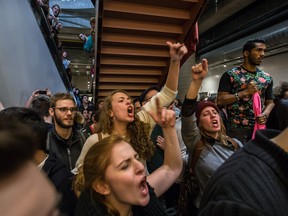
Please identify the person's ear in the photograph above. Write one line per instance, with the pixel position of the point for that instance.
(101, 188)
(51, 111)
(111, 114)
(246, 53)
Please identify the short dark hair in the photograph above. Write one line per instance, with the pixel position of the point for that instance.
(17, 147)
(30, 119)
(284, 88)
(57, 5)
(250, 44)
(136, 100)
(144, 93)
(41, 105)
(60, 96)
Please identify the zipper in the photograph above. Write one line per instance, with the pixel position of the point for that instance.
(69, 157)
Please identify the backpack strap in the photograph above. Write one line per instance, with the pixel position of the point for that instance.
(233, 142)
(82, 137)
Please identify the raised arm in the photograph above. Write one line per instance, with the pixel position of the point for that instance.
(162, 178)
(177, 51)
(199, 72)
(35, 94)
(169, 91)
(189, 129)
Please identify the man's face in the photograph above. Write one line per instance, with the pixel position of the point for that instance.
(85, 99)
(64, 113)
(256, 55)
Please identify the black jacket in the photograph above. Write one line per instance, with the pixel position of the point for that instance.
(253, 181)
(62, 179)
(87, 207)
(67, 151)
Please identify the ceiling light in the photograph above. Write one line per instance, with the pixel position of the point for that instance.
(77, 71)
(87, 66)
(75, 66)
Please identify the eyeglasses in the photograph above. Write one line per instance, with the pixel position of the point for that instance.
(64, 110)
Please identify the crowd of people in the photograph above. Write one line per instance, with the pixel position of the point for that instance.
(55, 26)
(126, 156)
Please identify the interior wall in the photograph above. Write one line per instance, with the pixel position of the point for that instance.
(25, 61)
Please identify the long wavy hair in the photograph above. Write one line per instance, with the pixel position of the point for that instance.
(137, 131)
(95, 165)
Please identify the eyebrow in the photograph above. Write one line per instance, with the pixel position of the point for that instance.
(122, 97)
(119, 165)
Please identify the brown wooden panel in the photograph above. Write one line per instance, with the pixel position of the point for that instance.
(130, 8)
(132, 49)
(135, 51)
(124, 86)
(133, 62)
(142, 26)
(127, 79)
(131, 71)
(136, 39)
(132, 94)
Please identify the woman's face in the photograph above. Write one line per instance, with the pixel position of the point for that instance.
(122, 108)
(56, 11)
(126, 177)
(100, 105)
(210, 121)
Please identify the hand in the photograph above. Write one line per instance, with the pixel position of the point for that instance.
(177, 50)
(261, 119)
(48, 92)
(35, 93)
(164, 117)
(160, 141)
(200, 71)
(252, 88)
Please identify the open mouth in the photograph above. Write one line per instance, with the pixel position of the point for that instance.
(143, 186)
(215, 123)
(130, 110)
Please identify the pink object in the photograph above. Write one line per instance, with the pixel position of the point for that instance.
(257, 111)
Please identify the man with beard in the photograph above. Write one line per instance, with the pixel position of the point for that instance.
(64, 140)
(237, 87)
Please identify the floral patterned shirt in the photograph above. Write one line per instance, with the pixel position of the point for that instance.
(240, 113)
